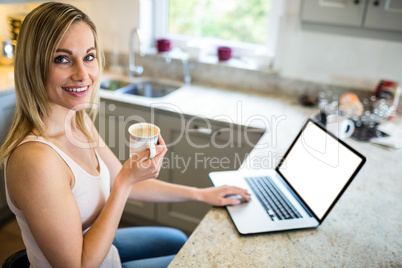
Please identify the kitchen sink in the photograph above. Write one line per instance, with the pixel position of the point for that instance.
(145, 88)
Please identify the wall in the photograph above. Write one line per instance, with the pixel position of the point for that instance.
(302, 55)
(11, 9)
(114, 19)
(334, 59)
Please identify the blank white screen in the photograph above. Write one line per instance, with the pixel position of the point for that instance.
(318, 167)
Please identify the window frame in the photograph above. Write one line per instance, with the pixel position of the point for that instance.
(240, 49)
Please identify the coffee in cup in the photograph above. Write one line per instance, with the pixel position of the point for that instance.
(143, 136)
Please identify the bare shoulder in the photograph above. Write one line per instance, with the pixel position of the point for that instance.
(34, 157)
(35, 166)
(38, 182)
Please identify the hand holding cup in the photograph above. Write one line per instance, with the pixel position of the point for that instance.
(146, 157)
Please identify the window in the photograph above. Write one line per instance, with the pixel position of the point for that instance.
(234, 20)
(249, 27)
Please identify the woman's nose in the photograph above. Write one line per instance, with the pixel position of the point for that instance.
(79, 71)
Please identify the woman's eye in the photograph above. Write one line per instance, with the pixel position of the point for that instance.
(61, 59)
(89, 57)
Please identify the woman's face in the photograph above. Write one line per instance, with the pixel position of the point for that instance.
(74, 68)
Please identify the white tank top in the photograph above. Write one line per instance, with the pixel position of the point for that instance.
(90, 192)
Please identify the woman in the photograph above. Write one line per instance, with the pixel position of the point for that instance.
(68, 200)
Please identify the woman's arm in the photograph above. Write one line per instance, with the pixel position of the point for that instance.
(159, 191)
(42, 190)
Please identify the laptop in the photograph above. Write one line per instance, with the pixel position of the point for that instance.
(301, 191)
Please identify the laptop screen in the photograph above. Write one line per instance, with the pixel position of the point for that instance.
(319, 167)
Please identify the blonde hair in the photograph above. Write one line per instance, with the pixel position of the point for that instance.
(40, 34)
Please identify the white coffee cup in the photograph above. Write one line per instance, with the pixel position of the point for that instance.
(341, 127)
(143, 136)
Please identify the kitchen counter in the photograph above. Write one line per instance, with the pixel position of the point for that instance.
(363, 229)
(254, 109)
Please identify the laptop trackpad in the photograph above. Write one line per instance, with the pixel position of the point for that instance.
(250, 217)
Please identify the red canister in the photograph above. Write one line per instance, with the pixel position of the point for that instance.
(224, 53)
(163, 45)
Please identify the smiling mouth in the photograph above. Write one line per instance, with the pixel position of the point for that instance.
(75, 89)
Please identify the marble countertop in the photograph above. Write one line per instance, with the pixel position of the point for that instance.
(363, 229)
(247, 108)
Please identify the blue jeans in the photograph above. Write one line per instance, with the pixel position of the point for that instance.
(148, 246)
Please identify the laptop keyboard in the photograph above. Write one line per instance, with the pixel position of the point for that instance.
(272, 199)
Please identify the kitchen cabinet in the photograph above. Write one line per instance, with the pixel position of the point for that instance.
(7, 108)
(197, 146)
(366, 14)
(113, 122)
(384, 15)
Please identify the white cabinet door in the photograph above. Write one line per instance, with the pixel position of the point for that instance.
(384, 15)
(337, 12)
(363, 14)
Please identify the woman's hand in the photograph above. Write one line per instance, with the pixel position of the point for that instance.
(218, 196)
(140, 167)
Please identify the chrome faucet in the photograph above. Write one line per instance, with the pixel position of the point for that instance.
(134, 70)
(186, 65)
(186, 70)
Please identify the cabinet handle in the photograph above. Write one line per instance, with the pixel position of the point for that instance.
(202, 130)
(206, 131)
(376, 3)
